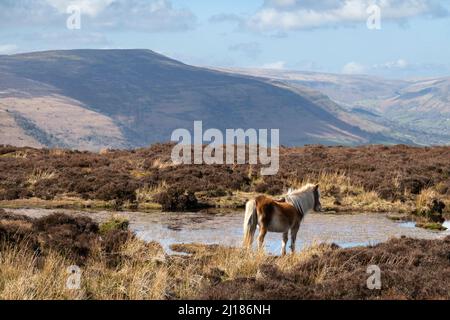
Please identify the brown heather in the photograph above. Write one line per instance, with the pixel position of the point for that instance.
(369, 178)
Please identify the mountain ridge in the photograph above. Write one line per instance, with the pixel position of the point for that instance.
(91, 99)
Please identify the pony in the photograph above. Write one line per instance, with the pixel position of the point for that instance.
(280, 215)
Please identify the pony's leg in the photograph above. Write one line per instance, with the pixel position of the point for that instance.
(294, 231)
(283, 246)
(262, 234)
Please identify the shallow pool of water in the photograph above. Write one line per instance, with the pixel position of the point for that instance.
(226, 228)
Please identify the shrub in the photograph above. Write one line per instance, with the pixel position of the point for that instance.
(17, 230)
(442, 188)
(272, 185)
(429, 206)
(112, 243)
(177, 200)
(115, 223)
(122, 191)
(10, 194)
(415, 184)
(215, 193)
(431, 226)
(74, 237)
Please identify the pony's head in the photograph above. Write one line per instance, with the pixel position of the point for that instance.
(306, 198)
(317, 204)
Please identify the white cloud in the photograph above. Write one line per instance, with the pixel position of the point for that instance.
(388, 66)
(354, 68)
(278, 65)
(397, 64)
(8, 48)
(306, 4)
(147, 15)
(288, 15)
(89, 7)
(144, 15)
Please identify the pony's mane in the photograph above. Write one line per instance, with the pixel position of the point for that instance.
(305, 188)
(298, 198)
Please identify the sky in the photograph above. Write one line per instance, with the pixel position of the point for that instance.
(389, 38)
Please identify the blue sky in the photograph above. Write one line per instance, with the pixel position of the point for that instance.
(312, 35)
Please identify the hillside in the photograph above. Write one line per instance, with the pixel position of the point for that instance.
(424, 104)
(416, 110)
(90, 99)
(343, 88)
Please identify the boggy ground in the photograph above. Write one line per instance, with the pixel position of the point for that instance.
(371, 178)
(35, 255)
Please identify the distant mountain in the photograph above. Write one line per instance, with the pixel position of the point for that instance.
(89, 99)
(424, 104)
(418, 110)
(342, 88)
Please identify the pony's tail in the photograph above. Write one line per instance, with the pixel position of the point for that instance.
(250, 222)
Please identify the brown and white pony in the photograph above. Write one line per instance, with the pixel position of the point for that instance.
(279, 215)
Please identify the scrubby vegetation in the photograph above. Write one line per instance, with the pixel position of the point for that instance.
(35, 255)
(176, 200)
(429, 209)
(369, 178)
(410, 269)
(114, 224)
(76, 238)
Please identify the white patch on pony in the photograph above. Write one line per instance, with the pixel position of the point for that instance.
(302, 199)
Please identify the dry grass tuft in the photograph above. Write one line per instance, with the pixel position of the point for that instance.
(424, 197)
(40, 175)
(147, 193)
(160, 164)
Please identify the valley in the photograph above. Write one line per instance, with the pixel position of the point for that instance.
(133, 98)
